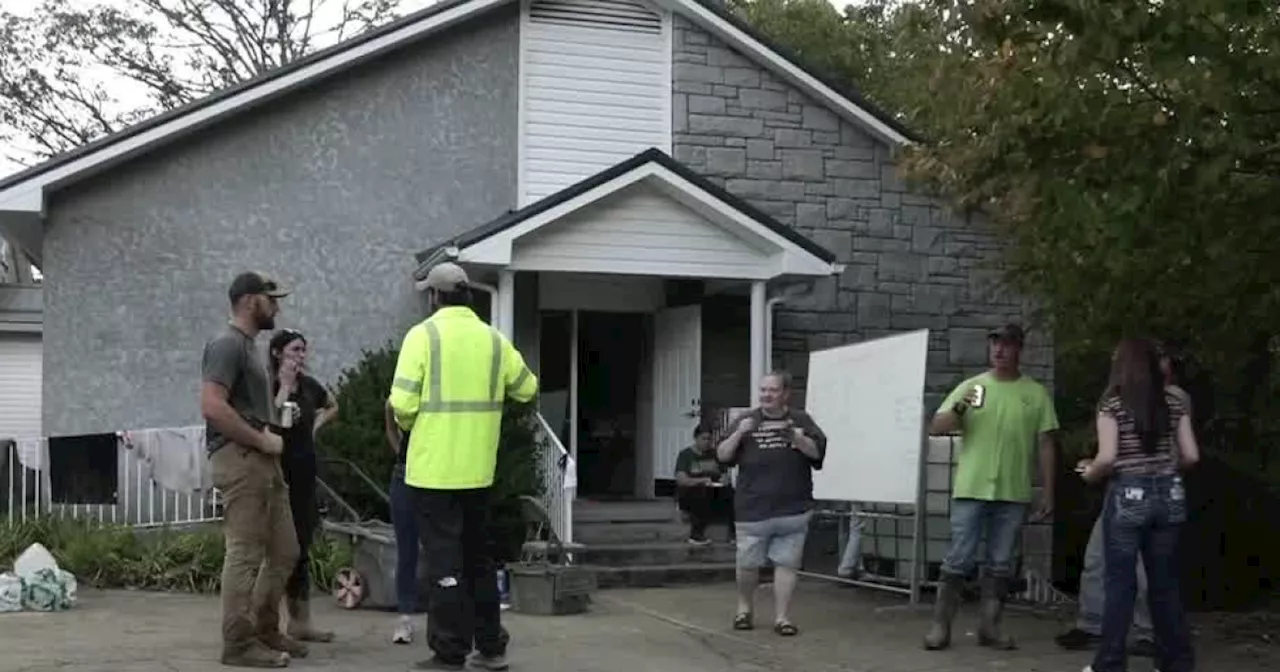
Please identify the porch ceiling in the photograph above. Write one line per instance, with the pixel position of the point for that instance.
(649, 215)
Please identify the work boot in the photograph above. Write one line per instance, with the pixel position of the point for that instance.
(994, 590)
(300, 623)
(254, 655)
(277, 641)
(944, 612)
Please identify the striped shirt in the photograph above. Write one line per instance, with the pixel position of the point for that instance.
(1130, 457)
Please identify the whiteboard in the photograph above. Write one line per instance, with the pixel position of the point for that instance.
(868, 398)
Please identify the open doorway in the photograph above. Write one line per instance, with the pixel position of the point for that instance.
(610, 354)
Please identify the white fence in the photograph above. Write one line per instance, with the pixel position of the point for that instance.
(556, 466)
(139, 500)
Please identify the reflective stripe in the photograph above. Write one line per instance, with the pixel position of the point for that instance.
(459, 406)
(410, 386)
(434, 403)
(495, 365)
(433, 352)
(519, 381)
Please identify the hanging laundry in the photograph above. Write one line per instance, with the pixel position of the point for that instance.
(175, 458)
(84, 469)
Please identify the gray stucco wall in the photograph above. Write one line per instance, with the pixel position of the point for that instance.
(910, 263)
(331, 189)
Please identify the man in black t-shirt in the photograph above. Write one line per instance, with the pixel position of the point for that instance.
(776, 449)
(702, 487)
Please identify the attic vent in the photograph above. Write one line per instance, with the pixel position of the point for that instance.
(628, 15)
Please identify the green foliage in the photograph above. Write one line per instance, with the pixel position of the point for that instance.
(358, 436)
(188, 560)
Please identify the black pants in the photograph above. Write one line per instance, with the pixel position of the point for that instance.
(300, 474)
(464, 609)
(706, 505)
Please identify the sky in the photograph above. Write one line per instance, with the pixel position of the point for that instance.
(8, 166)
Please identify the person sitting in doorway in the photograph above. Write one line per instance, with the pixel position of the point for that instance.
(702, 487)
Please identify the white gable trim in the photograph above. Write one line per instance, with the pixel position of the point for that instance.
(790, 258)
(28, 194)
(811, 85)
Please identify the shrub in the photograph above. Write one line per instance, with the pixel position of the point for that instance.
(171, 559)
(358, 436)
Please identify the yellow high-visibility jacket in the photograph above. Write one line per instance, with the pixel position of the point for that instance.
(452, 377)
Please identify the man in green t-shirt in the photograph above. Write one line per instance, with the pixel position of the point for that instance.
(702, 487)
(1004, 418)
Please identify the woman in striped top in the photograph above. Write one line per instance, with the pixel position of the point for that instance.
(1144, 440)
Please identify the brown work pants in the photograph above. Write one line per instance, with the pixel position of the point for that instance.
(261, 543)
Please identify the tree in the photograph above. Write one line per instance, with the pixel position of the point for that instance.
(70, 74)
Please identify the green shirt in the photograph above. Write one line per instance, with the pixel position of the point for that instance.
(1000, 439)
(699, 465)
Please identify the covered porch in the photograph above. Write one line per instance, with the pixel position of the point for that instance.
(640, 297)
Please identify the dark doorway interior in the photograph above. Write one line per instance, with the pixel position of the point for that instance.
(609, 359)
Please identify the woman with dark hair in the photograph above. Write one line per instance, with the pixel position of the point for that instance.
(315, 407)
(1144, 439)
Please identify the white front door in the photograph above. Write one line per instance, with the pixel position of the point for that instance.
(677, 384)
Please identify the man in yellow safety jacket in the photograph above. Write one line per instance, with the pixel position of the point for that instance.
(452, 377)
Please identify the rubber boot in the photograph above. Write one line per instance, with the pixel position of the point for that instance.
(994, 590)
(300, 623)
(944, 612)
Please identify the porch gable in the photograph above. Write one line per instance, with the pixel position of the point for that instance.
(649, 215)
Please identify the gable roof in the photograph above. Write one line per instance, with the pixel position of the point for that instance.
(25, 190)
(652, 162)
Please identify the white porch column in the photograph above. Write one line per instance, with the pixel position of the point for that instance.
(506, 308)
(758, 334)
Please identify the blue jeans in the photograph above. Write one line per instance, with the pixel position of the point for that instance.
(971, 520)
(1093, 590)
(1144, 515)
(404, 519)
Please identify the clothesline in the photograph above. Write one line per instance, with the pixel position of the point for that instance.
(172, 457)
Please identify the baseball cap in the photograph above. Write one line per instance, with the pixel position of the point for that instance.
(1008, 332)
(446, 277)
(249, 283)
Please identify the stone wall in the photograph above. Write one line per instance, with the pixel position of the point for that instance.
(910, 263)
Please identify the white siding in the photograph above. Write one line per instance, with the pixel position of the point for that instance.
(595, 89)
(638, 230)
(20, 387)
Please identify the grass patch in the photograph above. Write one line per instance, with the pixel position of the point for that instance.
(165, 559)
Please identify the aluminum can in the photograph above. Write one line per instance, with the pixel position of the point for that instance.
(289, 413)
(979, 395)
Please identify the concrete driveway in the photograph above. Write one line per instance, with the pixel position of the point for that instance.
(656, 630)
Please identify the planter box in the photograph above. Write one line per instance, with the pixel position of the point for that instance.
(550, 590)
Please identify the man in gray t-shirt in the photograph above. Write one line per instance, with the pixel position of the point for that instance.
(232, 361)
(244, 454)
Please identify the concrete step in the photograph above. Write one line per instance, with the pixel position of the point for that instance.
(628, 511)
(655, 554)
(653, 576)
(629, 533)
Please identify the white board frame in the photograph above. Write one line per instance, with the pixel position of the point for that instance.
(868, 398)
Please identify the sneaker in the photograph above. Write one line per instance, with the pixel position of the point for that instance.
(1076, 639)
(483, 662)
(255, 655)
(434, 663)
(699, 541)
(403, 633)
